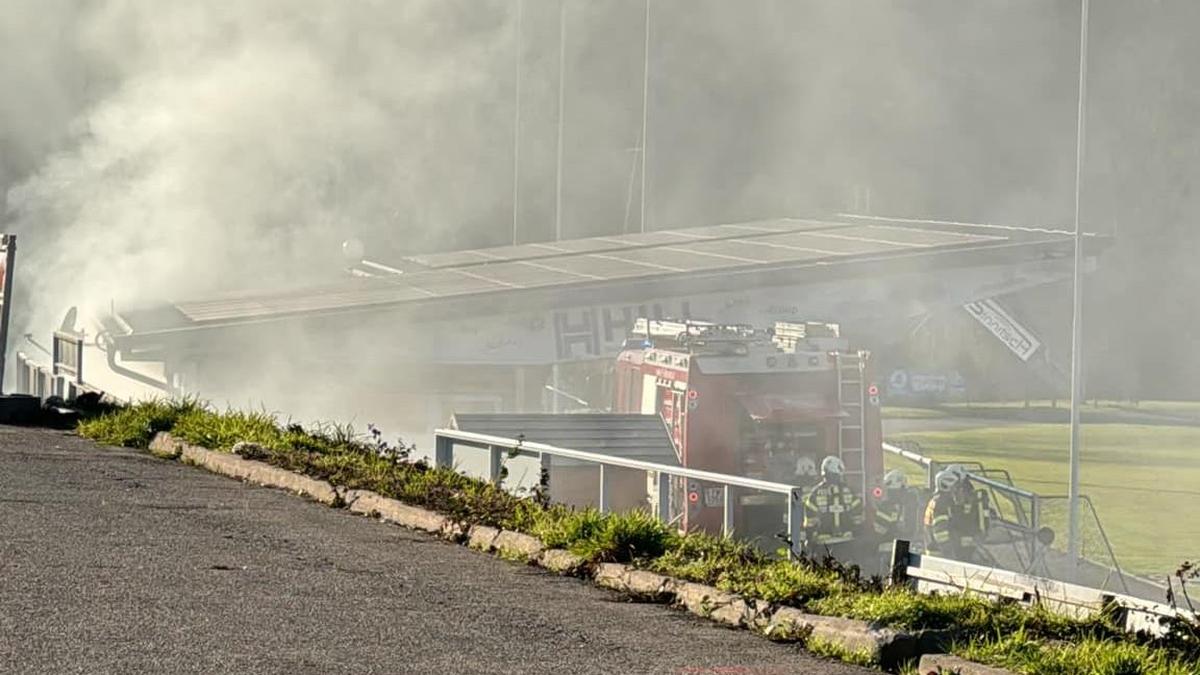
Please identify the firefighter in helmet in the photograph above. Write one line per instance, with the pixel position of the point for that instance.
(956, 516)
(940, 522)
(974, 512)
(833, 513)
(896, 511)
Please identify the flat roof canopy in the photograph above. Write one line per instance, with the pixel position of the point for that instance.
(536, 275)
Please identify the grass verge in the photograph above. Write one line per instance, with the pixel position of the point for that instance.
(352, 461)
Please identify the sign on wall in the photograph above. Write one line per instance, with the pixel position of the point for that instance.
(1019, 339)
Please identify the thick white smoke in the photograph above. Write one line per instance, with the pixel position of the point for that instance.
(237, 143)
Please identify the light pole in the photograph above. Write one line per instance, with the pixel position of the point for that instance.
(645, 111)
(558, 165)
(516, 191)
(1073, 544)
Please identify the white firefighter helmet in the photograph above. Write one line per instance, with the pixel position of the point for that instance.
(832, 466)
(960, 473)
(806, 466)
(895, 480)
(945, 480)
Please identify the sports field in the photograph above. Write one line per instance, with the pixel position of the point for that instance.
(1143, 479)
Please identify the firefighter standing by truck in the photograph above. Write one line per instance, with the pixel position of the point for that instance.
(896, 512)
(956, 517)
(833, 514)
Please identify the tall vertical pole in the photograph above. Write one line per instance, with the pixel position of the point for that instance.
(1073, 544)
(558, 167)
(9, 254)
(516, 191)
(645, 110)
(558, 171)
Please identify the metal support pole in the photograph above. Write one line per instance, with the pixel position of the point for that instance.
(795, 521)
(558, 171)
(516, 191)
(663, 506)
(899, 571)
(645, 114)
(495, 463)
(1073, 538)
(544, 471)
(554, 375)
(727, 515)
(6, 299)
(603, 490)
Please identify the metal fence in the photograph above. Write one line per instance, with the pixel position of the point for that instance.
(1019, 531)
(930, 574)
(498, 448)
(44, 382)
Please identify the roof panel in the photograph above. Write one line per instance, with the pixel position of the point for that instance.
(832, 244)
(631, 436)
(679, 258)
(609, 267)
(525, 274)
(756, 250)
(618, 242)
(597, 261)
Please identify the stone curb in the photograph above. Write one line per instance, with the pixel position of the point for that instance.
(640, 584)
(517, 545)
(933, 664)
(712, 603)
(251, 471)
(886, 646)
(561, 561)
(482, 538)
(391, 510)
(165, 446)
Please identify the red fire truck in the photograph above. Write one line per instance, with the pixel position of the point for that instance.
(763, 404)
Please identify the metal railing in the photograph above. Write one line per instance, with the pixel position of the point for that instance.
(499, 447)
(930, 574)
(44, 382)
(1018, 512)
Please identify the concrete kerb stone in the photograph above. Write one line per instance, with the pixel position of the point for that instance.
(517, 545)
(391, 510)
(561, 561)
(886, 646)
(231, 465)
(165, 446)
(482, 537)
(727, 608)
(933, 664)
(612, 576)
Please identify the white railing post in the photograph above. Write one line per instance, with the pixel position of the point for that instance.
(603, 490)
(663, 507)
(727, 516)
(443, 452)
(544, 471)
(495, 463)
(795, 520)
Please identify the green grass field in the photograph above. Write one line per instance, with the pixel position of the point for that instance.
(1143, 480)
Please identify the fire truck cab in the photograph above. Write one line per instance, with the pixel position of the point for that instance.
(763, 404)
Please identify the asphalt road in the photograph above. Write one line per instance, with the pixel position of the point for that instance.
(113, 561)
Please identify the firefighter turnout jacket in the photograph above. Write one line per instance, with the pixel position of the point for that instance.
(955, 522)
(896, 514)
(833, 513)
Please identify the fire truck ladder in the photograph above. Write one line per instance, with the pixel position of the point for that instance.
(851, 440)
